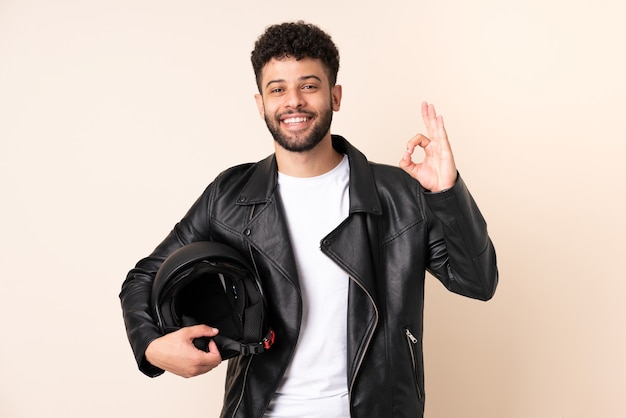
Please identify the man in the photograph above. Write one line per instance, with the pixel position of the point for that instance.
(341, 245)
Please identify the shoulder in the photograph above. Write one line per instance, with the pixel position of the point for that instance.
(362, 168)
(252, 182)
(234, 173)
(386, 175)
(239, 175)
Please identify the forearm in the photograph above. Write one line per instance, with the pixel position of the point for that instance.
(141, 328)
(135, 295)
(462, 254)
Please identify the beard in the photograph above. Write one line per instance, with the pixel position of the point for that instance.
(300, 141)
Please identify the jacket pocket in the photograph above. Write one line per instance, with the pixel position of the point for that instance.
(412, 342)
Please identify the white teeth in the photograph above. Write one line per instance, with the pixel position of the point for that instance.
(295, 120)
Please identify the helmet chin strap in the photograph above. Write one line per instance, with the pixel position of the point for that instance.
(231, 348)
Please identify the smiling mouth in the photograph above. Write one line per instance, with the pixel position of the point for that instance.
(295, 120)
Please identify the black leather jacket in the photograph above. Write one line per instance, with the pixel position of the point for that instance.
(394, 233)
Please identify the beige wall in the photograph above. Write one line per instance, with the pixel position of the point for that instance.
(115, 114)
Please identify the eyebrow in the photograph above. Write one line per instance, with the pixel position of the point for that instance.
(303, 78)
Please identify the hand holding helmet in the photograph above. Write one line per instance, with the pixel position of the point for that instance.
(201, 286)
(176, 353)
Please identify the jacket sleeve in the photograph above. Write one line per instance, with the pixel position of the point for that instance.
(462, 255)
(135, 295)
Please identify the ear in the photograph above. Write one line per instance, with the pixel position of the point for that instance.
(335, 93)
(260, 105)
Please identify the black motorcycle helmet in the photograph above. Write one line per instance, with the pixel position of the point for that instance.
(211, 283)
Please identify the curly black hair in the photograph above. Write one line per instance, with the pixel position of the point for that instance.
(298, 40)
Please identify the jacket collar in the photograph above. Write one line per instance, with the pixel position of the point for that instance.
(363, 194)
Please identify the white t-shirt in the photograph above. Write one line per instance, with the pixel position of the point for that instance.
(315, 383)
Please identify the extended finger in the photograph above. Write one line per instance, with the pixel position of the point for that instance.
(433, 121)
(441, 134)
(425, 113)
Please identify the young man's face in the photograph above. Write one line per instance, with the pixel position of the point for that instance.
(297, 102)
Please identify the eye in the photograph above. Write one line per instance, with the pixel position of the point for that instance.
(309, 87)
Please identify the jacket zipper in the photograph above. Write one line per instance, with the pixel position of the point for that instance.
(369, 337)
(243, 388)
(411, 341)
(371, 333)
(245, 376)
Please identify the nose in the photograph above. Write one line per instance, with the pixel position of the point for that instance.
(294, 99)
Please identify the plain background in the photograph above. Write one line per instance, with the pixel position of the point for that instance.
(114, 116)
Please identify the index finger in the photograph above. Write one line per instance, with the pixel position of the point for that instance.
(201, 330)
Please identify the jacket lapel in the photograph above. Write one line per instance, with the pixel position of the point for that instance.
(355, 246)
(266, 228)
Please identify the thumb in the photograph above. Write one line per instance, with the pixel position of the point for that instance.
(213, 348)
(406, 162)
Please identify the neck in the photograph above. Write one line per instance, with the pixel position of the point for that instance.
(315, 162)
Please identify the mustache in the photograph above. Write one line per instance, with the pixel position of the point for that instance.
(279, 116)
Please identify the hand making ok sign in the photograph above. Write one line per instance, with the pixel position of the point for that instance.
(437, 171)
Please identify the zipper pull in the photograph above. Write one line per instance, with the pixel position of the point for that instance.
(410, 336)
